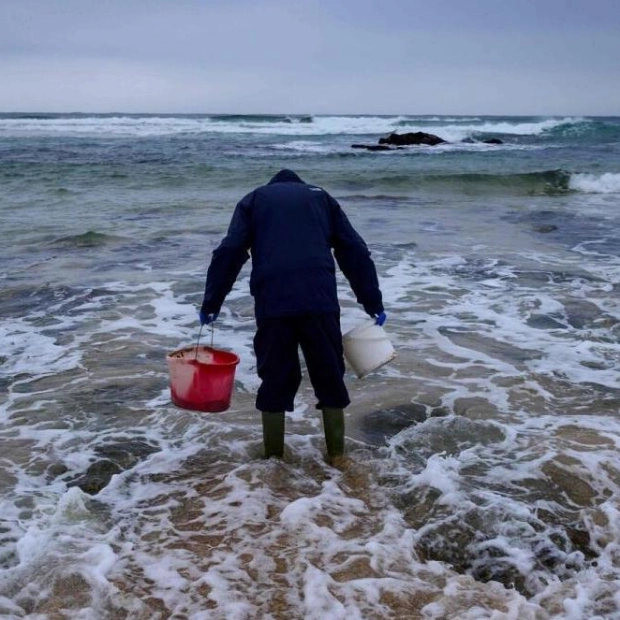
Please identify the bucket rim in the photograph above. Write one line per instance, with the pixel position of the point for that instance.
(192, 349)
(362, 327)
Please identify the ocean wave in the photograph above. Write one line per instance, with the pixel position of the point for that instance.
(439, 119)
(310, 146)
(306, 125)
(145, 125)
(99, 125)
(453, 129)
(505, 128)
(261, 118)
(607, 183)
(591, 129)
(544, 182)
(90, 239)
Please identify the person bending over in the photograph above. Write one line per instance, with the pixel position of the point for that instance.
(293, 231)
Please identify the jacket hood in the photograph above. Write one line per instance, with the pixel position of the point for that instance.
(286, 176)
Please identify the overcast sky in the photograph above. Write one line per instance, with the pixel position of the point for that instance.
(538, 57)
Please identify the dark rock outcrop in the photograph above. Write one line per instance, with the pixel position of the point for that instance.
(97, 476)
(411, 138)
(414, 138)
(400, 140)
(114, 458)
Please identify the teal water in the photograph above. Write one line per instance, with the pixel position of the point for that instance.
(484, 477)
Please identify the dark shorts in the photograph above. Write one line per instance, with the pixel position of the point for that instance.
(276, 345)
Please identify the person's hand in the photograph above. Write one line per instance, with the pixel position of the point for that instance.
(205, 319)
(380, 318)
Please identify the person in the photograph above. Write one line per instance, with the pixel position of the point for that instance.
(290, 229)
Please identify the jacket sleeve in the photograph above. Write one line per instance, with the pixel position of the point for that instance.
(353, 258)
(228, 258)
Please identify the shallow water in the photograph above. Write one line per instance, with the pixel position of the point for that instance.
(482, 478)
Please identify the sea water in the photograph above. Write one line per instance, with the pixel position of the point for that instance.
(483, 478)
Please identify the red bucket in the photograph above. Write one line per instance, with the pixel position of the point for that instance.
(202, 378)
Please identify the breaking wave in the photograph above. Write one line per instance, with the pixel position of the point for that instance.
(451, 128)
(607, 183)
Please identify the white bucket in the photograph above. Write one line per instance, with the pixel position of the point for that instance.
(367, 347)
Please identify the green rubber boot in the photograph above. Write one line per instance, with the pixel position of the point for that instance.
(273, 433)
(333, 424)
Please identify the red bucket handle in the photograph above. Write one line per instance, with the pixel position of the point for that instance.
(198, 341)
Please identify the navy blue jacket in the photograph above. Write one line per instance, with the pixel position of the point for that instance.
(290, 229)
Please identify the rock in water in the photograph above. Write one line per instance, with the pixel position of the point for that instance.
(417, 137)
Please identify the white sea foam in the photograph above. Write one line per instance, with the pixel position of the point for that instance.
(28, 351)
(309, 146)
(154, 126)
(231, 533)
(449, 128)
(98, 125)
(606, 183)
(457, 132)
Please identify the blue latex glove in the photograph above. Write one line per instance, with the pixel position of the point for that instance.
(205, 319)
(380, 318)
